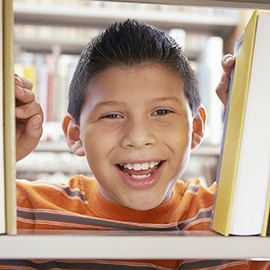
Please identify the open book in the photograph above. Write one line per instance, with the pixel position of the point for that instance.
(7, 121)
(242, 200)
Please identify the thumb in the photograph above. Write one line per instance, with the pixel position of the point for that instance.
(30, 139)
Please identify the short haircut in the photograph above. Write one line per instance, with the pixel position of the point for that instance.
(130, 43)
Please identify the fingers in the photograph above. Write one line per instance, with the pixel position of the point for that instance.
(27, 110)
(31, 132)
(227, 63)
(23, 82)
(30, 129)
(29, 118)
(26, 105)
(23, 91)
(222, 89)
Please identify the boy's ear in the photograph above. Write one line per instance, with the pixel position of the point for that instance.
(199, 122)
(72, 134)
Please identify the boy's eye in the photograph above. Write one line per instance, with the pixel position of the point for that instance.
(162, 112)
(111, 116)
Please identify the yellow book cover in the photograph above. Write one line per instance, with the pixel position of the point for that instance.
(29, 72)
(266, 223)
(243, 171)
(9, 119)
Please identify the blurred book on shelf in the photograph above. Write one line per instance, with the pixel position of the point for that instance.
(209, 72)
(50, 78)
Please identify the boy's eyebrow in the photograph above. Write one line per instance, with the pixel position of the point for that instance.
(107, 103)
(164, 99)
(119, 103)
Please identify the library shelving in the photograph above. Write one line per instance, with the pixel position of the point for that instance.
(101, 16)
(114, 245)
(141, 245)
(57, 30)
(220, 23)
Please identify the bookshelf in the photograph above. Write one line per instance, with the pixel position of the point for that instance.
(114, 245)
(85, 16)
(98, 17)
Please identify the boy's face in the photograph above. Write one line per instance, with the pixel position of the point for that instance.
(137, 131)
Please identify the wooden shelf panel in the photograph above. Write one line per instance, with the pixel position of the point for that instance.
(141, 245)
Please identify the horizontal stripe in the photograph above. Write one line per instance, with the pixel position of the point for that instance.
(204, 215)
(104, 265)
(118, 265)
(36, 217)
(58, 218)
(64, 189)
(211, 264)
(69, 220)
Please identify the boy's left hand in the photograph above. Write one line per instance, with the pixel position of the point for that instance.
(222, 88)
(29, 118)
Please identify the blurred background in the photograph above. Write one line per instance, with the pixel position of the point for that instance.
(50, 35)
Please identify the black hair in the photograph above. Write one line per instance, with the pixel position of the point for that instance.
(130, 43)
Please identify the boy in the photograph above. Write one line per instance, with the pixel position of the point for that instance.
(135, 113)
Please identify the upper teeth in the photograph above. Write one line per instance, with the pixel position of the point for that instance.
(140, 166)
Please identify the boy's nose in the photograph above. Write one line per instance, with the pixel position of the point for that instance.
(138, 134)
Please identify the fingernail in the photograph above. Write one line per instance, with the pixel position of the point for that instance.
(37, 121)
(18, 81)
(228, 59)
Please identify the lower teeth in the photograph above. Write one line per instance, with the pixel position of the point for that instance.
(140, 176)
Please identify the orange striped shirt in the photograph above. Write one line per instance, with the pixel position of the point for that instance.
(79, 205)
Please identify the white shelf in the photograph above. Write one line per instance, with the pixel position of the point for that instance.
(253, 4)
(53, 147)
(217, 24)
(74, 46)
(141, 245)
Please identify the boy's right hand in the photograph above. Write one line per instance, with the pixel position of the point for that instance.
(29, 118)
(222, 89)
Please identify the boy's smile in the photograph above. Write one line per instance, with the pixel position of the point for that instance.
(137, 131)
(140, 175)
